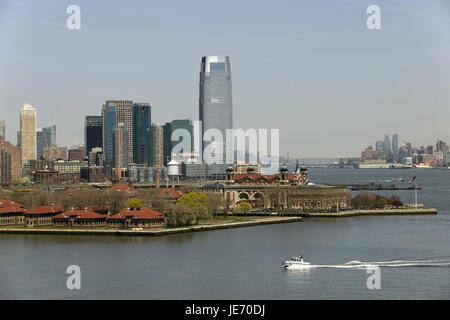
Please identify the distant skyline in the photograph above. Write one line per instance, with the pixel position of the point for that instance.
(311, 69)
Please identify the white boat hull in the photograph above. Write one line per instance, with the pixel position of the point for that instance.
(296, 265)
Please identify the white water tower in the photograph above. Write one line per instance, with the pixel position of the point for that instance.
(172, 171)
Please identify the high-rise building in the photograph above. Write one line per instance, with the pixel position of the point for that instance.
(10, 162)
(169, 129)
(141, 132)
(379, 146)
(3, 129)
(28, 133)
(109, 122)
(156, 146)
(124, 114)
(395, 146)
(387, 147)
(441, 146)
(215, 103)
(45, 137)
(120, 147)
(93, 133)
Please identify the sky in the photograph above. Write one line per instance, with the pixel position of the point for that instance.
(309, 68)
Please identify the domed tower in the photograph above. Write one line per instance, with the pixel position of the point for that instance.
(284, 172)
(230, 173)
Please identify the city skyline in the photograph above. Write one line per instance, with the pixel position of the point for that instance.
(291, 62)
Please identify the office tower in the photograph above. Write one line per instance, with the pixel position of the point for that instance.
(169, 129)
(124, 114)
(93, 133)
(215, 103)
(395, 146)
(109, 121)
(441, 146)
(387, 147)
(379, 146)
(45, 137)
(10, 162)
(120, 146)
(429, 149)
(28, 133)
(40, 143)
(3, 129)
(141, 132)
(156, 146)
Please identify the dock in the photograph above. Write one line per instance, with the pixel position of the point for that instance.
(372, 186)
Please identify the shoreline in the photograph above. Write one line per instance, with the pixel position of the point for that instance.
(373, 212)
(160, 232)
(229, 225)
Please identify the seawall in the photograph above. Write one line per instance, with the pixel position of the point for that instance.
(166, 231)
(381, 212)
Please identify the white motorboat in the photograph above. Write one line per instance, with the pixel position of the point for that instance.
(296, 263)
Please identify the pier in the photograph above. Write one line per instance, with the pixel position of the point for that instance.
(372, 186)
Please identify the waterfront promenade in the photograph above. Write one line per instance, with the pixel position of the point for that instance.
(159, 232)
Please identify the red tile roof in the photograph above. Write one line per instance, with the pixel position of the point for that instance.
(8, 206)
(79, 214)
(142, 213)
(169, 192)
(8, 203)
(123, 187)
(45, 209)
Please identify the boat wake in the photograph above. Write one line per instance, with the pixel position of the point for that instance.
(393, 264)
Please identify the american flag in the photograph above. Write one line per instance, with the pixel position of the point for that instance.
(412, 180)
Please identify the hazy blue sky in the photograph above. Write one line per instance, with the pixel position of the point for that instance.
(310, 68)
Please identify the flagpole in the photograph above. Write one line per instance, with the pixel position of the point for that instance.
(415, 189)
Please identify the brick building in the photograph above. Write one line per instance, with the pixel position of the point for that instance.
(11, 213)
(76, 218)
(136, 218)
(10, 162)
(41, 216)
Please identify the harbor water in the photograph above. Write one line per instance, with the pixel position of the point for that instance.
(412, 252)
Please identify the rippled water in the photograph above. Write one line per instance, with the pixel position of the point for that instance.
(413, 253)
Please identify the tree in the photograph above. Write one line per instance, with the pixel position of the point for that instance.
(134, 203)
(195, 203)
(216, 202)
(395, 201)
(244, 207)
(194, 198)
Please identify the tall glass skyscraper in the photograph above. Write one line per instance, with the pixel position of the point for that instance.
(216, 107)
(124, 114)
(141, 132)
(92, 132)
(395, 146)
(109, 124)
(45, 137)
